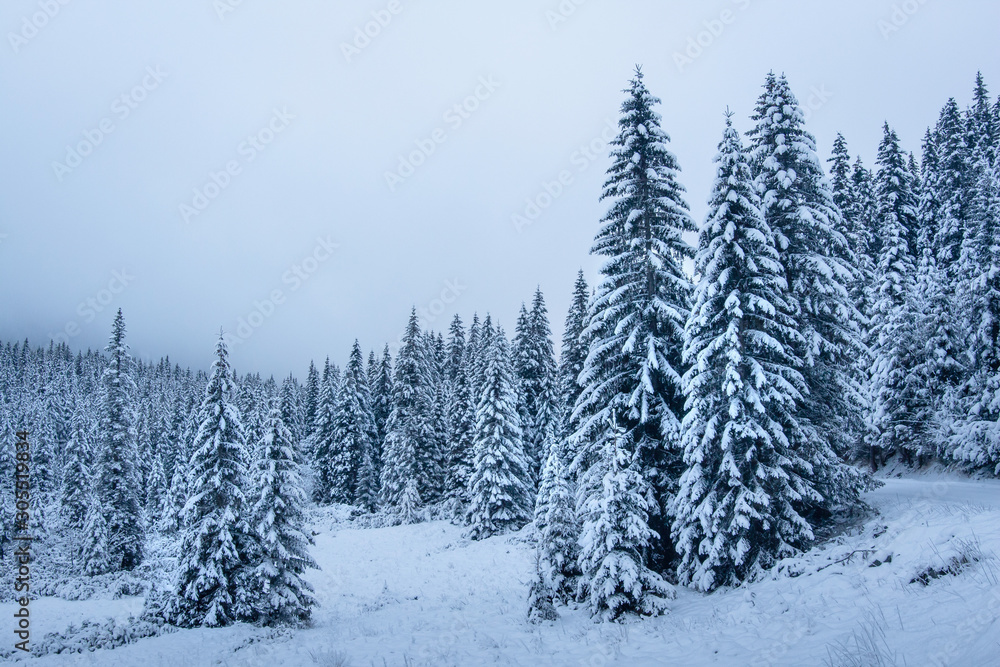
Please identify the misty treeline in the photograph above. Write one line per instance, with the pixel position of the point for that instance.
(694, 430)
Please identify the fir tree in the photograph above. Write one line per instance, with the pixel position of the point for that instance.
(735, 511)
(632, 374)
(325, 445)
(797, 205)
(352, 473)
(404, 428)
(557, 528)
(218, 548)
(614, 506)
(892, 338)
(500, 499)
(118, 484)
(279, 520)
(75, 495)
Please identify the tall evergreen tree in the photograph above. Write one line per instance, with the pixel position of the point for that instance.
(219, 547)
(632, 374)
(279, 520)
(499, 487)
(735, 511)
(353, 475)
(798, 207)
(118, 484)
(892, 334)
(400, 481)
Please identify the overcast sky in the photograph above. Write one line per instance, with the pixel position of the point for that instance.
(197, 162)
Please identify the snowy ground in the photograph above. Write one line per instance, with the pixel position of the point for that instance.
(423, 595)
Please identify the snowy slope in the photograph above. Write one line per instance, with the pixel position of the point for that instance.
(423, 595)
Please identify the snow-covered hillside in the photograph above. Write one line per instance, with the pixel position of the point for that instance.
(918, 584)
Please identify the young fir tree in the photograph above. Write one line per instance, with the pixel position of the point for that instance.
(352, 473)
(892, 333)
(632, 374)
(573, 353)
(117, 483)
(432, 455)
(218, 548)
(557, 528)
(74, 499)
(540, 596)
(735, 512)
(462, 421)
(93, 554)
(382, 404)
(614, 505)
(539, 384)
(278, 517)
(324, 443)
(400, 490)
(499, 487)
(798, 207)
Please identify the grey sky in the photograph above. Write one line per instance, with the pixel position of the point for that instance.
(300, 133)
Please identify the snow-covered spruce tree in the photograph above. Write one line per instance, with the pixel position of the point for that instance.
(93, 556)
(540, 596)
(76, 483)
(462, 420)
(117, 483)
(614, 505)
(219, 548)
(404, 429)
(975, 440)
(890, 416)
(632, 373)
(353, 436)
(557, 528)
(283, 596)
(735, 511)
(432, 454)
(499, 487)
(798, 207)
(573, 354)
(382, 402)
(324, 444)
(538, 385)
(156, 489)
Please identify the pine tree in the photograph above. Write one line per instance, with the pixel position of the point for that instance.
(462, 421)
(632, 374)
(352, 471)
(573, 353)
(798, 207)
(499, 487)
(557, 528)
(537, 378)
(218, 548)
(325, 445)
(117, 483)
(735, 511)
(404, 428)
(381, 390)
(75, 495)
(279, 520)
(94, 556)
(892, 335)
(614, 506)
